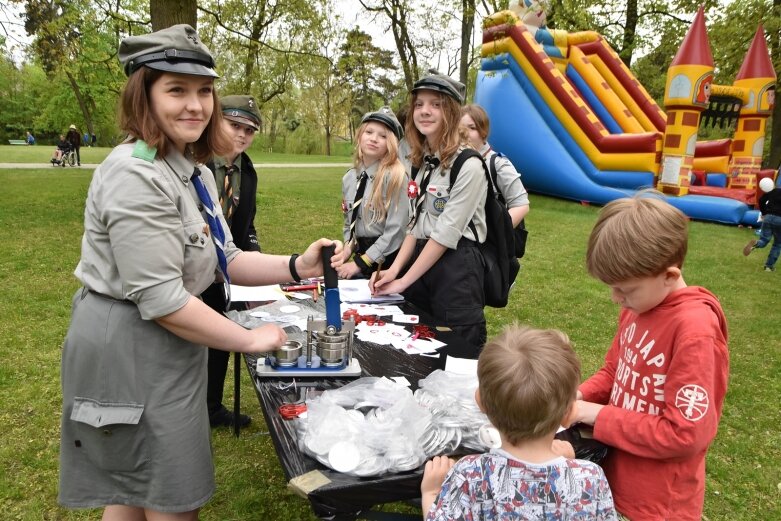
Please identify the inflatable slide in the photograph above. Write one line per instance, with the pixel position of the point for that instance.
(578, 125)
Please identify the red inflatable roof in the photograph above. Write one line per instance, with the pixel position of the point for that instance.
(757, 63)
(695, 49)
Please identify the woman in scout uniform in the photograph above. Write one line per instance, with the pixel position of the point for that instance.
(135, 431)
(475, 120)
(444, 267)
(237, 185)
(375, 211)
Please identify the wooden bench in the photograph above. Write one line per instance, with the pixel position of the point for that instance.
(17, 142)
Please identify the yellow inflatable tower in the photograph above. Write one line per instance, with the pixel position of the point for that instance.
(686, 95)
(758, 78)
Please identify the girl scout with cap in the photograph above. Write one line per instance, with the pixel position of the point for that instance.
(375, 212)
(444, 267)
(135, 431)
(237, 184)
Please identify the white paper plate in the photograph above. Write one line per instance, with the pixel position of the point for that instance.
(343, 457)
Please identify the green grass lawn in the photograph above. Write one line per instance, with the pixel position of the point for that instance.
(40, 229)
(90, 155)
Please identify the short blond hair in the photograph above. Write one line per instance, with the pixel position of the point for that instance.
(636, 237)
(528, 380)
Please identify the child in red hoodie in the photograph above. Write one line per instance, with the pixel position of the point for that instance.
(658, 398)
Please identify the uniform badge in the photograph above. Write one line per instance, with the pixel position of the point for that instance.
(439, 204)
(412, 190)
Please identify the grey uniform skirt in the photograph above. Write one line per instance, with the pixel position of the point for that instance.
(135, 430)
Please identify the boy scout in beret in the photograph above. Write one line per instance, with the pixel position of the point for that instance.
(237, 184)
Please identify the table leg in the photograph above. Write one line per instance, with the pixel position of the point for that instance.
(236, 393)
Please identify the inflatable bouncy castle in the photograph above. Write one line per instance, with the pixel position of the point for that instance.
(577, 124)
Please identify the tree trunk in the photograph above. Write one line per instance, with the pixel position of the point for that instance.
(82, 103)
(327, 126)
(165, 13)
(467, 23)
(628, 43)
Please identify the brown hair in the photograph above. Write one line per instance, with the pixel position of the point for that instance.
(528, 380)
(479, 117)
(135, 118)
(389, 166)
(636, 237)
(450, 138)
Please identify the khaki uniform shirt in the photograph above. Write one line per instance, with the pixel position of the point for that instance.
(145, 238)
(390, 232)
(447, 211)
(508, 179)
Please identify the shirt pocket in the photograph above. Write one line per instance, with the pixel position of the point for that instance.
(111, 434)
(437, 196)
(200, 257)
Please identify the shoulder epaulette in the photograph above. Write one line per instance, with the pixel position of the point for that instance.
(143, 151)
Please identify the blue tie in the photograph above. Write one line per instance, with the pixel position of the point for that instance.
(217, 233)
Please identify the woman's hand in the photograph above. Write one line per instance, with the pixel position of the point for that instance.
(310, 263)
(267, 338)
(348, 270)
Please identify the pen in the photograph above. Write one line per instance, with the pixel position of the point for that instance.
(314, 294)
(300, 288)
(379, 269)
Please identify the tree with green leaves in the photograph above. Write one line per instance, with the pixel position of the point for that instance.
(360, 67)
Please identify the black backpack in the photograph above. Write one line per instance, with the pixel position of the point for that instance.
(501, 263)
(520, 232)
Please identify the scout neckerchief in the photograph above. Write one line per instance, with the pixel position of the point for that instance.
(357, 204)
(218, 235)
(419, 192)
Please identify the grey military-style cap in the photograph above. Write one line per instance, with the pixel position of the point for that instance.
(241, 109)
(175, 49)
(385, 116)
(439, 82)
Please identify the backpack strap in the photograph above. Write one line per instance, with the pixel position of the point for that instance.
(456, 168)
(492, 170)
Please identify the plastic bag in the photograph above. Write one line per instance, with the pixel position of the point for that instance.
(456, 419)
(582, 440)
(369, 427)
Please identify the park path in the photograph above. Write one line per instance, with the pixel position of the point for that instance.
(92, 166)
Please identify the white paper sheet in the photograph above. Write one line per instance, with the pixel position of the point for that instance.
(255, 293)
(461, 365)
(357, 290)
